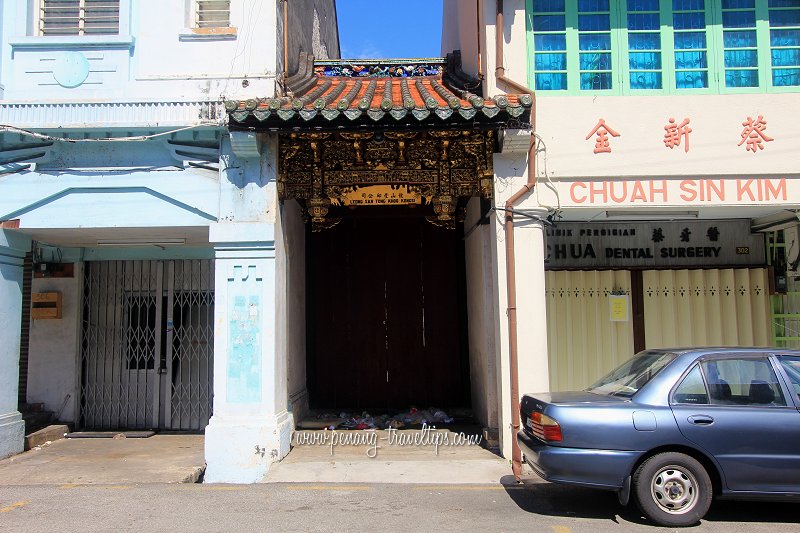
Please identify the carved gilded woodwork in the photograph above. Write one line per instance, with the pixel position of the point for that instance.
(439, 167)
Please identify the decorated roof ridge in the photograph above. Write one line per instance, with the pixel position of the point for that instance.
(449, 67)
(384, 61)
(437, 93)
(380, 69)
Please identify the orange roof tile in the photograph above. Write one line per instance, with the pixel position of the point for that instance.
(340, 94)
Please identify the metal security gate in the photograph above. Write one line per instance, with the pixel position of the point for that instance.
(583, 343)
(147, 345)
(699, 307)
(711, 307)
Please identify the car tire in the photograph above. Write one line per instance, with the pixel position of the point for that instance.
(672, 489)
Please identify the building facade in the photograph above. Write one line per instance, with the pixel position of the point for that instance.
(142, 222)
(227, 230)
(664, 157)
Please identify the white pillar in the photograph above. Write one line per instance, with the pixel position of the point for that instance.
(532, 355)
(530, 254)
(250, 427)
(13, 247)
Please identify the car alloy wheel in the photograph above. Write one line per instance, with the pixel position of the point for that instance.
(672, 489)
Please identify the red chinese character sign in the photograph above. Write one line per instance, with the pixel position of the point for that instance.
(753, 134)
(677, 132)
(602, 131)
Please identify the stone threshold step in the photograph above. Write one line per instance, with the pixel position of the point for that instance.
(110, 434)
(48, 434)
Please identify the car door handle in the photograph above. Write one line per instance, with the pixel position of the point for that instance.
(700, 420)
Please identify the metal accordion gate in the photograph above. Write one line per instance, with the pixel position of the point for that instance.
(147, 344)
(685, 307)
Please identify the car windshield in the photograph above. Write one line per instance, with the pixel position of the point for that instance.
(628, 378)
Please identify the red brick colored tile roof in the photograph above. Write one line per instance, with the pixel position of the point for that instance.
(341, 95)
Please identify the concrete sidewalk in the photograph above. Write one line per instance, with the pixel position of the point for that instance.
(322, 458)
(157, 459)
(180, 459)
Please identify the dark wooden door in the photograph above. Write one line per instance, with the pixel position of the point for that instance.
(386, 316)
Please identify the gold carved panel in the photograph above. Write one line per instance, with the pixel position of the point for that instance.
(355, 169)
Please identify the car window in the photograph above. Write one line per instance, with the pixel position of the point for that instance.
(791, 364)
(628, 378)
(745, 381)
(692, 389)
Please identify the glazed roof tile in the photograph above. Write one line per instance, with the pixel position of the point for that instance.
(340, 94)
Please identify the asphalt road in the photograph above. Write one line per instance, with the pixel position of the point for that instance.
(351, 507)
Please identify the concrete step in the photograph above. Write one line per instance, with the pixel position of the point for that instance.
(36, 420)
(111, 434)
(50, 433)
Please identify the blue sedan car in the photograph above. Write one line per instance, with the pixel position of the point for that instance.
(672, 429)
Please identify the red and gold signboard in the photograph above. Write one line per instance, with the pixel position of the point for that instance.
(380, 195)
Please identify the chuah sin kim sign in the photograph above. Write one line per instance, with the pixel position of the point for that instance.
(655, 244)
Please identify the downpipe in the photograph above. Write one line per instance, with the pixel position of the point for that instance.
(511, 283)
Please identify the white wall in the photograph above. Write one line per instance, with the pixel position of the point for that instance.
(482, 316)
(510, 174)
(715, 120)
(13, 246)
(460, 32)
(514, 44)
(156, 55)
(292, 287)
(53, 349)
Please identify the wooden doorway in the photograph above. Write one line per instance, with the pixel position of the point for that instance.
(387, 316)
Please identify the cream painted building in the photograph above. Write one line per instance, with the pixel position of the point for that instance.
(665, 155)
(342, 235)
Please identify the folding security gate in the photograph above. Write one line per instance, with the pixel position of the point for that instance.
(711, 307)
(147, 344)
(583, 342)
(699, 307)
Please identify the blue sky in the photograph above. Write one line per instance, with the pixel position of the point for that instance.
(389, 28)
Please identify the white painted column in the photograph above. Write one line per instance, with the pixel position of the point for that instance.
(251, 426)
(529, 251)
(13, 247)
(532, 360)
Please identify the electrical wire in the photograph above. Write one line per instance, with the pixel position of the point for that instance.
(547, 181)
(136, 138)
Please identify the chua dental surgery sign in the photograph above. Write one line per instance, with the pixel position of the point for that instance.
(664, 243)
(653, 244)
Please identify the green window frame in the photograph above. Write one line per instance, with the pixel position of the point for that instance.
(784, 45)
(598, 47)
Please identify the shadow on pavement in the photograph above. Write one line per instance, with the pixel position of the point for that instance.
(753, 511)
(552, 499)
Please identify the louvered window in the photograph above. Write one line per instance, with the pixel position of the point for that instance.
(213, 14)
(664, 46)
(79, 17)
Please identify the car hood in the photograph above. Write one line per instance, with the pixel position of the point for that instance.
(574, 397)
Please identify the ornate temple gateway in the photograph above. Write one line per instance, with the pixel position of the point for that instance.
(379, 160)
(406, 133)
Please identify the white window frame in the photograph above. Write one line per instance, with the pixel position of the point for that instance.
(194, 32)
(40, 19)
(197, 9)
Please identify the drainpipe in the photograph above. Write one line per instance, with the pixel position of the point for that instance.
(285, 42)
(478, 34)
(511, 283)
